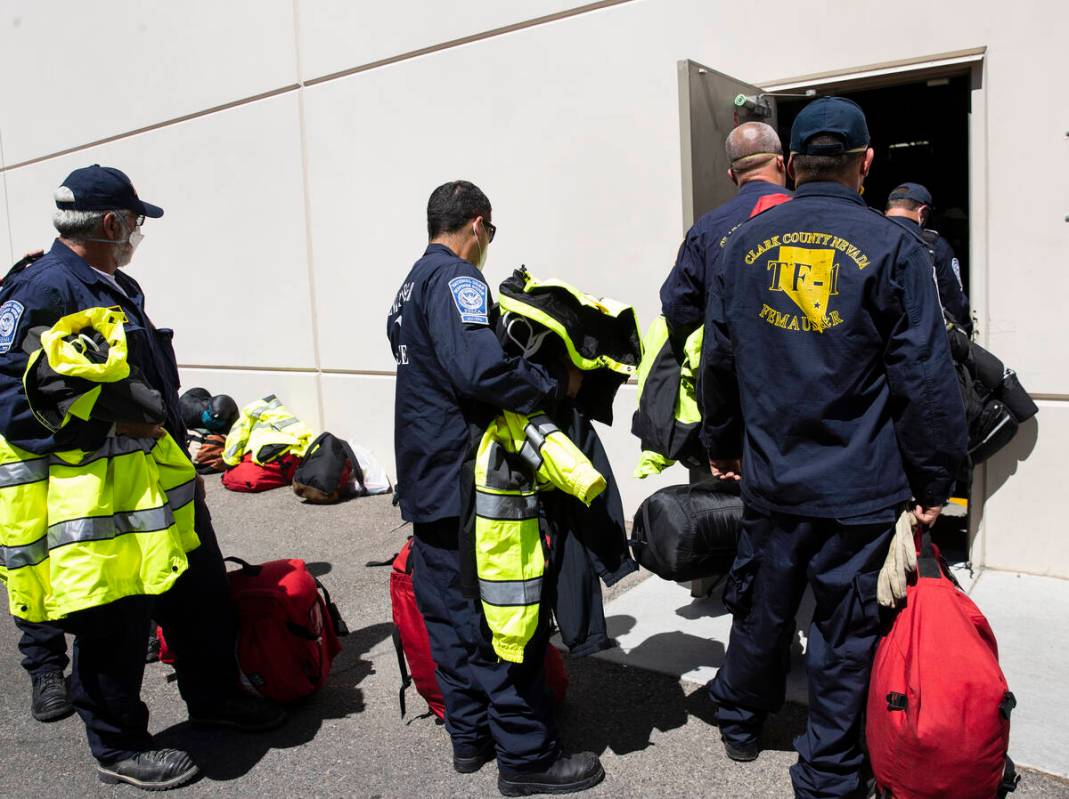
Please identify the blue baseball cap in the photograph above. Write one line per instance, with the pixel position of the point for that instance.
(911, 191)
(102, 188)
(835, 116)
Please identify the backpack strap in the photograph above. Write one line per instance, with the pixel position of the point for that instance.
(341, 629)
(406, 678)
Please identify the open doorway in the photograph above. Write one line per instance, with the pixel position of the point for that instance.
(919, 113)
(920, 131)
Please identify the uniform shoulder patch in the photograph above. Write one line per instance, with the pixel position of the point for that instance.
(470, 297)
(10, 314)
(955, 266)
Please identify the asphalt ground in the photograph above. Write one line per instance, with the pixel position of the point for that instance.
(654, 734)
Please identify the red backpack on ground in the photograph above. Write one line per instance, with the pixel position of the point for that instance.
(250, 478)
(288, 629)
(412, 643)
(938, 720)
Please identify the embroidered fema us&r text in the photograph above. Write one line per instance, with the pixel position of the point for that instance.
(470, 297)
(10, 313)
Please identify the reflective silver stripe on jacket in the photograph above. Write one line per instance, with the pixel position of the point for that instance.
(506, 506)
(22, 472)
(113, 447)
(25, 555)
(180, 496)
(531, 456)
(539, 428)
(101, 528)
(511, 592)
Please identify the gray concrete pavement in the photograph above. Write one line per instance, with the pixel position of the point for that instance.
(652, 731)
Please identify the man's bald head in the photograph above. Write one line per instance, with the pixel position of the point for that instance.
(754, 152)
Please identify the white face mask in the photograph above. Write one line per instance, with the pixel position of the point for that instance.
(480, 261)
(126, 254)
(129, 244)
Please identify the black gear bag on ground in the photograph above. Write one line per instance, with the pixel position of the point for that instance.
(687, 532)
(329, 472)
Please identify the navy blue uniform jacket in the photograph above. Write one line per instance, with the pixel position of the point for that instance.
(947, 275)
(684, 293)
(827, 366)
(57, 284)
(452, 379)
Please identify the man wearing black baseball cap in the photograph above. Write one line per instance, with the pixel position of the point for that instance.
(99, 217)
(828, 341)
(910, 205)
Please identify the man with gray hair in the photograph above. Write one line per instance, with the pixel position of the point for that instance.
(755, 156)
(99, 220)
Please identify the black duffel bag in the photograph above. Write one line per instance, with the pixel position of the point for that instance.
(329, 473)
(687, 532)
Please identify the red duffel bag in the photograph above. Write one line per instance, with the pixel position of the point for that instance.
(413, 645)
(288, 629)
(938, 720)
(250, 477)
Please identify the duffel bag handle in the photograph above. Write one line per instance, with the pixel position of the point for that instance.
(246, 568)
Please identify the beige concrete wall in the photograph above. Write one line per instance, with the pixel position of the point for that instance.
(293, 145)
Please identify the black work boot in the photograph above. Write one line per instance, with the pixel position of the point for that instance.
(469, 764)
(50, 701)
(155, 770)
(742, 752)
(568, 774)
(240, 712)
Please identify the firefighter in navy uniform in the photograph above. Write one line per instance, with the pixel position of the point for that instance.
(453, 379)
(910, 205)
(827, 370)
(755, 154)
(99, 220)
(43, 646)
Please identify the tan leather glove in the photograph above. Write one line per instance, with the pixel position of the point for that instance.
(901, 561)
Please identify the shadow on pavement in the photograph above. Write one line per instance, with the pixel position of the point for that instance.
(612, 706)
(226, 755)
(780, 728)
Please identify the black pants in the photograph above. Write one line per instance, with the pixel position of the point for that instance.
(485, 697)
(778, 556)
(43, 647)
(110, 642)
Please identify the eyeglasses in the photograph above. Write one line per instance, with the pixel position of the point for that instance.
(139, 219)
(491, 229)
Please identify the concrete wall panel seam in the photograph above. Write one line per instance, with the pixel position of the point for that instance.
(475, 37)
(155, 126)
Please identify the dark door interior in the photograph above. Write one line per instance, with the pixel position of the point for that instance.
(920, 132)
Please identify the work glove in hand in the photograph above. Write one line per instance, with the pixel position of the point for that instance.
(901, 561)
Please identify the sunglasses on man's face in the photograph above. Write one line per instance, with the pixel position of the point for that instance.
(491, 229)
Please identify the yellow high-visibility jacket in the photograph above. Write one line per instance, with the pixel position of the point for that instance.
(668, 416)
(268, 430)
(80, 529)
(518, 457)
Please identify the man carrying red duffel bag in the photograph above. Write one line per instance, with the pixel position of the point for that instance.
(938, 719)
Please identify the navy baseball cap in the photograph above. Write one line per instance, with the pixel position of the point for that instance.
(836, 116)
(102, 188)
(911, 191)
